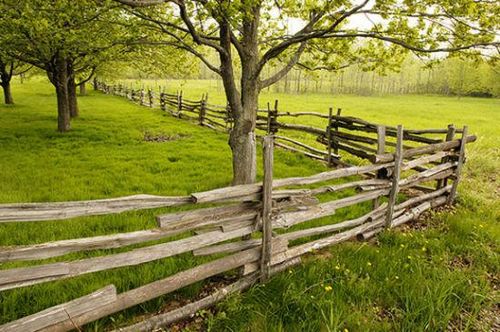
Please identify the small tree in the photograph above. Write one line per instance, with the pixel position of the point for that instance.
(248, 35)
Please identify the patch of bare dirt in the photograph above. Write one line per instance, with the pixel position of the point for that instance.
(159, 138)
(459, 262)
(488, 320)
(428, 219)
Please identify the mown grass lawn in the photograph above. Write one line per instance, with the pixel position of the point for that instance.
(444, 275)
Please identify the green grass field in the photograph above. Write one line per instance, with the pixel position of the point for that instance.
(442, 276)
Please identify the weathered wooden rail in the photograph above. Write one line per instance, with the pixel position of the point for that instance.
(251, 226)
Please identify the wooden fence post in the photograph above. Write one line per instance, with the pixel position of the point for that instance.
(449, 137)
(150, 97)
(203, 104)
(272, 118)
(141, 101)
(275, 117)
(398, 159)
(267, 203)
(380, 150)
(162, 101)
(458, 170)
(329, 136)
(179, 104)
(269, 117)
(336, 131)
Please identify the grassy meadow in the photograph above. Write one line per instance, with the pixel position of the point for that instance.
(443, 275)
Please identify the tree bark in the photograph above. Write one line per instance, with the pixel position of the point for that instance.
(7, 93)
(243, 105)
(58, 75)
(242, 139)
(83, 89)
(72, 98)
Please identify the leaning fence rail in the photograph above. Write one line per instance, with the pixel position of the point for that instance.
(252, 226)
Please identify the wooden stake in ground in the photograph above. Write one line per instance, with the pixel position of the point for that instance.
(203, 105)
(267, 204)
(179, 104)
(458, 171)
(398, 158)
(380, 150)
(329, 136)
(336, 130)
(449, 137)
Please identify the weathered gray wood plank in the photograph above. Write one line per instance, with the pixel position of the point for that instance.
(66, 210)
(20, 277)
(398, 159)
(59, 248)
(63, 312)
(288, 219)
(161, 287)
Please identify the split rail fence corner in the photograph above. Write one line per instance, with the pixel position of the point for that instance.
(250, 229)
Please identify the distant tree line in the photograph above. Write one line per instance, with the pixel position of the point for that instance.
(450, 77)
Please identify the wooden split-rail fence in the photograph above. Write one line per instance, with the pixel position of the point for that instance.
(251, 228)
(354, 136)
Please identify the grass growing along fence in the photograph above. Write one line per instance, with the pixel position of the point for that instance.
(436, 284)
(219, 225)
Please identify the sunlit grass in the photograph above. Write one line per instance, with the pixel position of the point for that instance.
(392, 285)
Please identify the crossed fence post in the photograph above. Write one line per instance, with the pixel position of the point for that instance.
(267, 203)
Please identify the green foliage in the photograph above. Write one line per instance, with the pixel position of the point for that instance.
(374, 35)
(88, 32)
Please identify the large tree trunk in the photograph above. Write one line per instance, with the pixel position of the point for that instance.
(58, 75)
(7, 93)
(242, 136)
(72, 98)
(242, 141)
(83, 89)
(243, 105)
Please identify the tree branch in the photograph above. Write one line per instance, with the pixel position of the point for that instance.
(92, 72)
(407, 45)
(281, 73)
(308, 33)
(142, 3)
